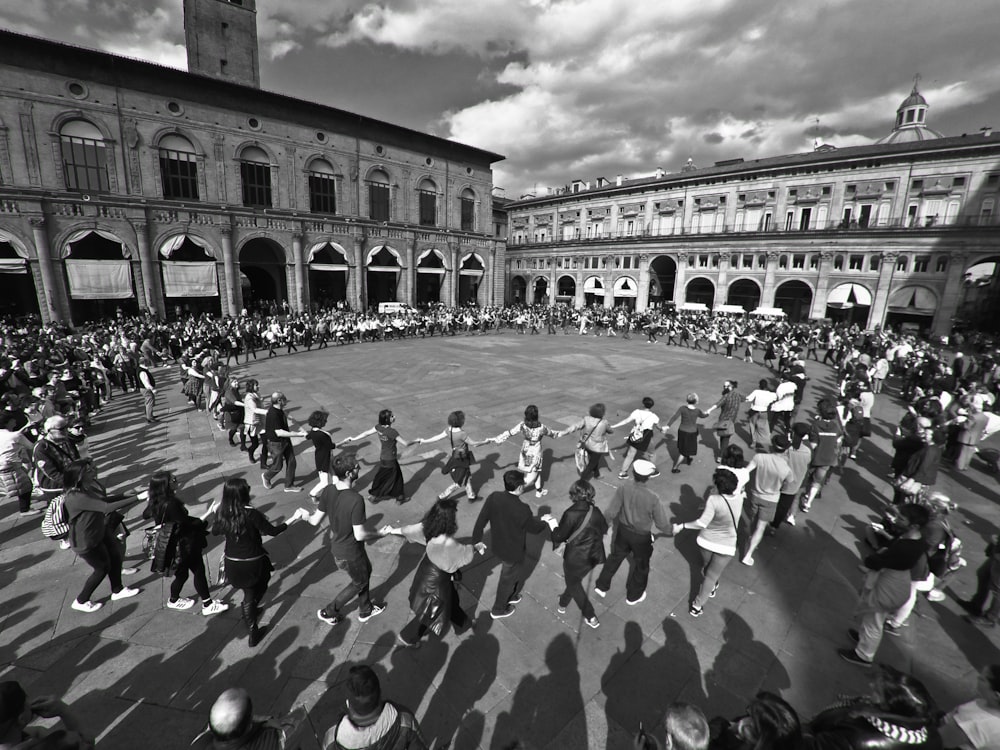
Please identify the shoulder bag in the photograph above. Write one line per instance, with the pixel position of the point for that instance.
(580, 455)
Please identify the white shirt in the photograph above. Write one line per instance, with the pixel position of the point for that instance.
(785, 396)
(644, 420)
(760, 400)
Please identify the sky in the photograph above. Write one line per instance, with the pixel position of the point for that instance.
(580, 89)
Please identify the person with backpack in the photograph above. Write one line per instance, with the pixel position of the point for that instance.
(370, 722)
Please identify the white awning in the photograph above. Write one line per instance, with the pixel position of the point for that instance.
(13, 265)
(79, 235)
(693, 307)
(731, 309)
(99, 279)
(774, 312)
(181, 279)
(848, 295)
(625, 287)
(337, 249)
(328, 267)
(432, 251)
(169, 247)
(376, 250)
(915, 300)
(593, 285)
(432, 270)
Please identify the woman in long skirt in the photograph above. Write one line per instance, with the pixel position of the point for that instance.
(461, 457)
(388, 481)
(687, 433)
(529, 461)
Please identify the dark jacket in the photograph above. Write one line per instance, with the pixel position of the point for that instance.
(87, 513)
(586, 549)
(862, 726)
(192, 533)
(510, 522)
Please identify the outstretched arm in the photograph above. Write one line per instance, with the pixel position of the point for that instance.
(360, 436)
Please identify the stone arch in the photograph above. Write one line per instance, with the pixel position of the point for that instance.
(262, 235)
(238, 151)
(745, 291)
(78, 232)
(795, 297)
(379, 168)
(65, 116)
(162, 133)
(16, 241)
(307, 162)
(199, 239)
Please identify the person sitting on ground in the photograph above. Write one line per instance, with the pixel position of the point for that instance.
(17, 712)
(371, 722)
(231, 724)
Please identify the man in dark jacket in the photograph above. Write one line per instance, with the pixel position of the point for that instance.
(231, 724)
(370, 722)
(510, 523)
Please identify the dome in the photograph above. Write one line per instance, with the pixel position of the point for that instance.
(910, 134)
(915, 99)
(911, 120)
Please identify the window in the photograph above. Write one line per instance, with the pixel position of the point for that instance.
(789, 221)
(838, 263)
(627, 262)
(889, 187)
(428, 203)
(958, 182)
(762, 261)
(691, 261)
(856, 262)
(873, 263)
(716, 259)
(84, 157)
(748, 261)
(703, 261)
(986, 211)
(813, 262)
(467, 204)
(783, 262)
(178, 168)
(255, 174)
(917, 184)
(378, 196)
(901, 263)
(921, 263)
(942, 264)
(322, 187)
(799, 261)
(734, 261)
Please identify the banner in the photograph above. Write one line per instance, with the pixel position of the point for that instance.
(189, 279)
(99, 279)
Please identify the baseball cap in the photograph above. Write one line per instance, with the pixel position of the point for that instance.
(780, 442)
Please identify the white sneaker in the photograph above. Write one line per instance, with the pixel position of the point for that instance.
(600, 593)
(214, 608)
(593, 622)
(936, 595)
(64, 544)
(182, 603)
(632, 603)
(125, 593)
(86, 606)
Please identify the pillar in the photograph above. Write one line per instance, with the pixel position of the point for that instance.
(490, 279)
(359, 280)
(680, 279)
(50, 305)
(642, 293)
(880, 300)
(232, 291)
(553, 279)
(822, 285)
(152, 293)
(767, 293)
(581, 299)
(953, 285)
(452, 278)
(720, 282)
(300, 294)
(407, 292)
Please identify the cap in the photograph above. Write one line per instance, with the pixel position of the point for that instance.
(12, 700)
(780, 442)
(55, 423)
(644, 468)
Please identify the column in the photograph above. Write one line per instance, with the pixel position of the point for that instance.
(300, 295)
(152, 295)
(359, 278)
(948, 305)
(50, 304)
(451, 298)
(490, 279)
(553, 279)
(680, 279)
(720, 282)
(822, 285)
(880, 300)
(231, 290)
(642, 293)
(407, 292)
(581, 298)
(767, 294)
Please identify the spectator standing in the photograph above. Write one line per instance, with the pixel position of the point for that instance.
(280, 450)
(372, 723)
(147, 384)
(770, 471)
(232, 724)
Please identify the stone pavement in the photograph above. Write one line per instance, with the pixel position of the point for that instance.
(144, 676)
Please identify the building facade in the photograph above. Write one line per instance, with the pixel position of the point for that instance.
(128, 186)
(880, 234)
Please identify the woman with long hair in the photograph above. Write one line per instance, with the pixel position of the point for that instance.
(433, 597)
(581, 529)
(93, 517)
(529, 461)
(388, 480)
(190, 540)
(252, 412)
(717, 527)
(594, 430)
(687, 431)
(248, 566)
(770, 723)
(461, 459)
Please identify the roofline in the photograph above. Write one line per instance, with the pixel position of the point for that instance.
(60, 58)
(775, 163)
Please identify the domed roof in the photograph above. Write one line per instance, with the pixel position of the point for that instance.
(914, 99)
(910, 134)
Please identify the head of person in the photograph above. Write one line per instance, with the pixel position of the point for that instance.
(55, 426)
(913, 516)
(232, 512)
(686, 727)
(231, 716)
(642, 470)
(15, 711)
(161, 488)
(763, 384)
(512, 480)
(597, 411)
(385, 417)
(770, 724)
(252, 386)
(456, 419)
(902, 694)
(364, 695)
(733, 456)
(780, 443)
(988, 685)
(531, 416)
(729, 386)
(725, 481)
(939, 504)
(345, 466)
(826, 408)
(800, 431)
(692, 399)
(318, 419)
(441, 519)
(647, 403)
(581, 489)
(278, 400)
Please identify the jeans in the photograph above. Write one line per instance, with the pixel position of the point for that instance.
(576, 592)
(195, 565)
(508, 586)
(279, 453)
(148, 402)
(106, 562)
(640, 546)
(360, 570)
(714, 564)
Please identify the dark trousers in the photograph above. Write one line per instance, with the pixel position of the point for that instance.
(106, 562)
(785, 502)
(279, 453)
(511, 580)
(987, 590)
(628, 542)
(576, 591)
(592, 469)
(195, 566)
(360, 570)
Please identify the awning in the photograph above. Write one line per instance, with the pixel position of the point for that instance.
(99, 279)
(913, 300)
(80, 234)
(731, 309)
(775, 312)
(849, 295)
(182, 279)
(169, 247)
(328, 267)
(335, 249)
(625, 287)
(693, 307)
(13, 265)
(593, 285)
(432, 269)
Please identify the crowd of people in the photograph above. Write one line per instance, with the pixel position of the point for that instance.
(53, 382)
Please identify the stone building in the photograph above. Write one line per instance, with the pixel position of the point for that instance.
(878, 234)
(125, 185)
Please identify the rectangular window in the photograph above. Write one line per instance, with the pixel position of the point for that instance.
(958, 182)
(865, 216)
(322, 193)
(889, 187)
(748, 261)
(629, 228)
(627, 263)
(917, 184)
(873, 263)
(468, 214)
(805, 218)
(178, 175)
(378, 201)
(428, 208)
(85, 164)
(256, 184)
(703, 261)
(857, 263)
(799, 261)
(921, 263)
(813, 262)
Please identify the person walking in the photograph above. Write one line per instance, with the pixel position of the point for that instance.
(510, 521)
(580, 532)
(252, 412)
(799, 457)
(323, 446)
(729, 412)
(460, 459)
(643, 421)
(15, 450)
(760, 401)
(717, 527)
(278, 437)
(147, 384)
(529, 461)
(633, 511)
(825, 437)
(388, 480)
(687, 431)
(370, 722)
(770, 471)
(594, 430)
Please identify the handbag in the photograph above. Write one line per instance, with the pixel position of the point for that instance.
(580, 455)
(460, 458)
(165, 549)
(55, 525)
(725, 425)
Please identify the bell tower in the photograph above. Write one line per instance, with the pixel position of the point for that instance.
(221, 39)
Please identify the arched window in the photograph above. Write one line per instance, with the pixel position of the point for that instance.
(467, 203)
(428, 203)
(255, 173)
(178, 168)
(783, 261)
(734, 261)
(322, 187)
(378, 195)
(84, 157)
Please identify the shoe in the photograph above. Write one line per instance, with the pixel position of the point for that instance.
(377, 609)
(293, 488)
(600, 593)
(936, 595)
(252, 457)
(541, 493)
(675, 471)
(790, 520)
(329, 619)
(506, 613)
(633, 602)
(695, 611)
(182, 603)
(406, 644)
(715, 589)
(263, 479)
(130, 571)
(64, 544)
(592, 622)
(891, 628)
(977, 620)
(851, 657)
(561, 609)
(748, 561)
(805, 507)
(622, 475)
(86, 606)
(125, 593)
(654, 474)
(30, 512)
(214, 608)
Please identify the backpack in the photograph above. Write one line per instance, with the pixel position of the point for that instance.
(55, 524)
